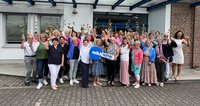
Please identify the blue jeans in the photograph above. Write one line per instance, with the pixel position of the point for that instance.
(43, 70)
(73, 68)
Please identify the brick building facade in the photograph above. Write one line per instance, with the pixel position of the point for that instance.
(187, 19)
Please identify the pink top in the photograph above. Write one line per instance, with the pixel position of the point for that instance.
(35, 40)
(138, 55)
(118, 41)
(66, 38)
(78, 41)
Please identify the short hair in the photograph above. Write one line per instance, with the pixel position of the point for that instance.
(157, 32)
(55, 39)
(85, 40)
(62, 37)
(45, 35)
(137, 42)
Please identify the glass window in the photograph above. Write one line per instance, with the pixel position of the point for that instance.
(49, 21)
(15, 23)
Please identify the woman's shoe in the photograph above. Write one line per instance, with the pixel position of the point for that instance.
(143, 84)
(176, 78)
(137, 86)
(109, 83)
(99, 83)
(162, 84)
(134, 84)
(94, 84)
(54, 88)
(157, 83)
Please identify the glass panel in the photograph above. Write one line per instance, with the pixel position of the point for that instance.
(49, 21)
(121, 21)
(13, 30)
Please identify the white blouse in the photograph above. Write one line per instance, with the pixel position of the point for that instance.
(84, 54)
(124, 50)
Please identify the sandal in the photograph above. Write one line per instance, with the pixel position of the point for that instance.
(99, 83)
(54, 88)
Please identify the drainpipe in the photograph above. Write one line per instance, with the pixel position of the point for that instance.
(193, 37)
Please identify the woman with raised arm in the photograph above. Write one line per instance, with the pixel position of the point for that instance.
(111, 63)
(42, 61)
(178, 58)
(55, 61)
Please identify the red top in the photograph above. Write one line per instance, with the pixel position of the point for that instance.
(138, 55)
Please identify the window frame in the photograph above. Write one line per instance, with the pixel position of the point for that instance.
(6, 44)
(39, 20)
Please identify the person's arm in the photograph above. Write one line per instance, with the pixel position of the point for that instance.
(46, 46)
(22, 44)
(186, 41)
(62, 61)
(117, 53)
(152, 56)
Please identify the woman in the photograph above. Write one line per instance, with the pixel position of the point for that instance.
(148, 65)
(73, 56)
(153, 41)
(137, 57)
(161, 60)
(178, 58)
(157, 35)
(118, 41)
(124, 62)
(168, 44)
(97, 67)
(63, 70)
(142, 41)
(111, 63)
(75, 35)
(55, 61)
(84, 62)
(42, 61)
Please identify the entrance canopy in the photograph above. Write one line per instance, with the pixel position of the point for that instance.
(130, 4)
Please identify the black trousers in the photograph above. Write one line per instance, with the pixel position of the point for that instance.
(63, 70)
(85, 74)
(161, 69)
(111, 69)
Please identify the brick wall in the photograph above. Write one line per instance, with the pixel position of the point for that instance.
(182, 19)
(197, 38)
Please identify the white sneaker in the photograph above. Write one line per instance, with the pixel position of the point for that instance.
(149, 84)
(161, 84)
(143, 84)
(61, 81)
(45, 82)
(39, 86)
(71, 82)
(134, 84)
(158, 84)
(75, 81)
(65, 77)
(137, 86)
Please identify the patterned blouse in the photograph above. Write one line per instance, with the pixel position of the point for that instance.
(111, 49)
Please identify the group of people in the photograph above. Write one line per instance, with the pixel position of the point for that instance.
(146, 57)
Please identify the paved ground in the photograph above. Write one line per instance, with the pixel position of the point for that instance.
(14, 93)
(18, 69)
